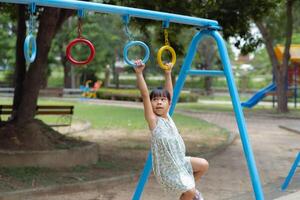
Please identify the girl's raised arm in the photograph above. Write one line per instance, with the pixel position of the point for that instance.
(168, 80)
(148, 111)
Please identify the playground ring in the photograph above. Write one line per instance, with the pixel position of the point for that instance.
(73, 43)
(30, 39)
(133, 43)
(159, 57)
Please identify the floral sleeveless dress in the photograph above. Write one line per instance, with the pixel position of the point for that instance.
(172, 169)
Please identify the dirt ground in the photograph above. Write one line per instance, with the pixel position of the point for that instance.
(228, 178)
(121, 152)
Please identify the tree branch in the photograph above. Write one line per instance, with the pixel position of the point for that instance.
(289, 33)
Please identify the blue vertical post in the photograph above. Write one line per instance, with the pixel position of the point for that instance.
(143, 179)
(239, 116)
(291, 173)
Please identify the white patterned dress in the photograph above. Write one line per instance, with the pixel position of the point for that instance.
(172, 169)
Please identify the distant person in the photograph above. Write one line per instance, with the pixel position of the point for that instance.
(173, 170)
(97, 85)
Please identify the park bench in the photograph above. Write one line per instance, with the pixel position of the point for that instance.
(64, 112)
(51, 92)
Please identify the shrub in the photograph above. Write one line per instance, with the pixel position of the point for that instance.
(134, 95)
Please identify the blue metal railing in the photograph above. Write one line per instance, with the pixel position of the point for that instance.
(205, 72)
(121, 10)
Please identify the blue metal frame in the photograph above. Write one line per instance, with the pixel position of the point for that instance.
(205, 72)
(185, 70)
(121, 10)
(211, 30)
(291, 172)
(239, 115)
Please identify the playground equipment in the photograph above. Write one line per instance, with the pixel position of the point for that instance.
(132, 43)
(291, 172)
(259, 96)
(78, 40)
(30, 39)
(292, 81)
(90, 92)
(206, 28)
(166, 47)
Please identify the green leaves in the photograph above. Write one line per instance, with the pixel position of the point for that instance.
(8, 40)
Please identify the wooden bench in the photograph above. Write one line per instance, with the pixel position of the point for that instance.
(65, 112)
(51, 92)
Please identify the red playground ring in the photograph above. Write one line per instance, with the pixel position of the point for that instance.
(76, 41)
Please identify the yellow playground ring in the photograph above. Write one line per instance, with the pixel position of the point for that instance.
(159, 55)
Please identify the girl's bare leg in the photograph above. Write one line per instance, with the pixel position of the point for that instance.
(200, 166)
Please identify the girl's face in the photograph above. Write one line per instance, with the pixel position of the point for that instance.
(160, 106)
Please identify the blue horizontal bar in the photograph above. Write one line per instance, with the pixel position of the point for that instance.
(206, 72)
(121, 10)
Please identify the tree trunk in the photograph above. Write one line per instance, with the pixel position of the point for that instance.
(50, 21)
(208, 52)
(280, 83)
(208, 86)
(107, 76)
(20, 69)
(280, 71)
(67, 70)
(67, 76)
(67, 65)
(23, 132)
(282, 76)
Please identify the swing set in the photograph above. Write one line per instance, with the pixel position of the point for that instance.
(206, 27)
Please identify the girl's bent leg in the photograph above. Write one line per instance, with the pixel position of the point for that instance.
(200, 166)
(188, 195)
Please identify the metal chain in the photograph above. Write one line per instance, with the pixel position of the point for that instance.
(79, 30)
(128, 33)
(166, 37)
(31, 22)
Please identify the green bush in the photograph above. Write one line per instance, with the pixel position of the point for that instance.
(119, 94)
(188, 97)
(134, 95)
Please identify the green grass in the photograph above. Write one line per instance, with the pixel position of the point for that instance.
(55, 82)
(261, 109)
(107, 165)
(205, 107)
(24, 174)
(112, 117)
(16, 178)
(222, 98)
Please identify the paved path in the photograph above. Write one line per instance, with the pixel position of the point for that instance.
(293, 196)
(274, 150)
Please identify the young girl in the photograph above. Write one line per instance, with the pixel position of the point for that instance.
(172, 169)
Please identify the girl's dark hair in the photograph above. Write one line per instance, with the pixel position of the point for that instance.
(160, 92)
